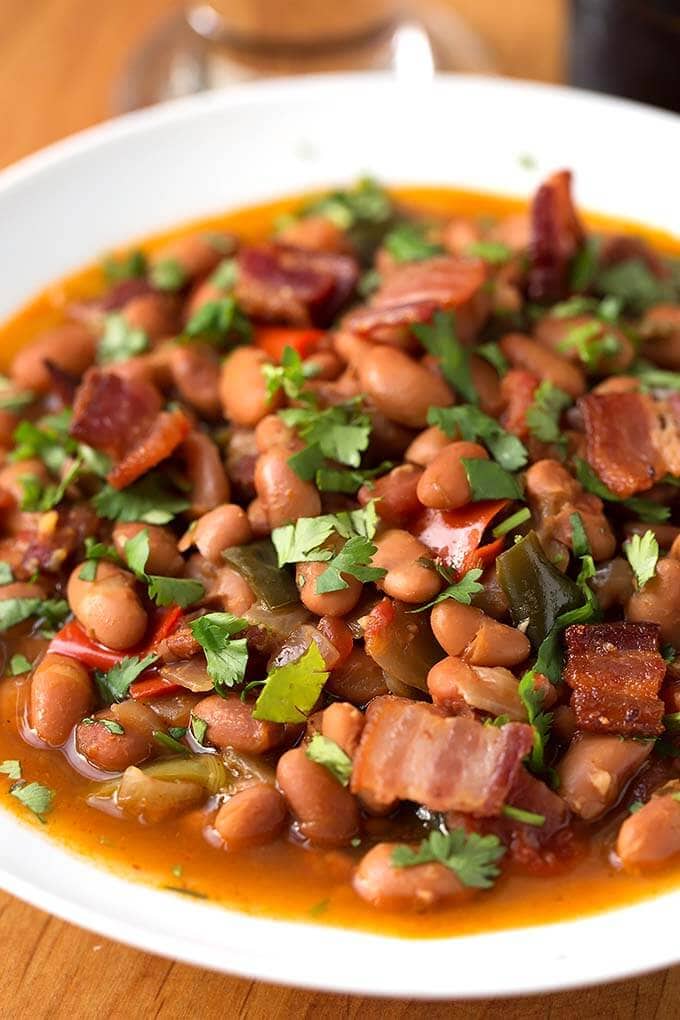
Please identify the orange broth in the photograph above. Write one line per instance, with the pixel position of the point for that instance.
(285, 880)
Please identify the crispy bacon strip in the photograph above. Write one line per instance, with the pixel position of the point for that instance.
(122, 417)
(282, 283)
(620, 447)
(409, 751)
(556, 236)
(415, 290)
(616, 671)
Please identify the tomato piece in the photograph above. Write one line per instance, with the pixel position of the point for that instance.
(274, 339)
(454, 535)
(484, 556)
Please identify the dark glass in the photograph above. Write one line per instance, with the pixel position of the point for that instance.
(629, 48)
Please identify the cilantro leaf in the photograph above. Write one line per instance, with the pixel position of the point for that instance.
(492, 353)
(151, 500)
(471, 424)
(109, 724)
(11, 768)
(168, 274)
(48, 612)
(19, 664)
(94, 552)
(117, 268)
(221, 319)
(340, 433)
(646, 509)
(543, 416)
(41, 497)
(654, 378)
(291, 691)
(165, 591)
(494, 252)
(590, 343)
(520, 815)
(472, 857)
(532, 698)
(301, 542)
(461, 591)
(579, 538)
(512, 522)
(226, 658)
(407, 242)
(349, 480)
(6, 575)
(642, 552)
(114, 684)
(12, 399)
(120, 340)
(488, 480)
(290, 376)
(326, 752)
(199, 728)
(47, 440)
(37, 798)
(635, 285)
(354, 558)
(170, 743)
(224, 277)
(365, 212)
(440, 340)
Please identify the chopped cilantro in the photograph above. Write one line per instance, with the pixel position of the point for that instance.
(642, 552)
(543, 416)
(369, 282)
(109, 724)
(114, 684)
(355, 559)
(461, 591)
(6, 575)
(199, 728)
(365, 212)
(168, 274)
(492, 353)
(635, 806)
(646, 509)
(584, 264)
(221, 319)
(117, 268)
(635, 285)
(11, 768)
(226, 658)
(301, 542)
(468, 422)
(532, 698)
(165, 591)
(37, 798)
(326, 752)
(120, 340)
(41, 497)
(47, 440)
(169, 743)
(290, 376)
(224, 277)
(520, 815)
(488, 480)
(590, 343)
(408, 242)
(95, 552)
(151, 500)
(472, 857)
(19, 664)
(654, 378)
(494, 252)
(349, 480)
(48, 612)
(579, 538)
(340, 433)
(291, 691)
(12, 399)
(512, 522)
(440, 340)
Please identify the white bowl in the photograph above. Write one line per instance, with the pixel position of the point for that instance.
(62, 207)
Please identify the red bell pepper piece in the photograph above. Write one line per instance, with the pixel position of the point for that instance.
(73, 642)
(454, 535)
(152, 687)
(274, 339)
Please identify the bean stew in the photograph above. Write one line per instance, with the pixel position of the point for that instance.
(340, 560)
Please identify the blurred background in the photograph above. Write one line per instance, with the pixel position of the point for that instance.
(66, 64)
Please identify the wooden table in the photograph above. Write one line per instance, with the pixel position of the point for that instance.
(59, 60)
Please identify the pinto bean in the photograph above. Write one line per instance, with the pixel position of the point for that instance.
(217, 530)
(651, 836)
(397, 501)
(285, 495)
(444, 484)
(421, 887)
(231, 724)
(8, 423)
(326, 813)
(11, 475)
(114, 752)
(174, 709)
(357, 679)
(231, 590)
(196, 254)
(613, 583)
(554, 495)
(21, 590)
(243, 389)
(108, 607)
(467, 632)
(61, 695)
(399, 553)
(330, 603)
(660, 327)
(555, 333)
(595, 770)
(156, 314)
(317, 233)
(523, 352)
(208, 479)
(325, 365)
(426, 446)
(163, 555)
(272, 431)
(195, 373)
(71, 347)
(350, 347)
(344, 724)
(665, 534)
(258, 519)
(251, 817)
(401, 387)
(659, 601)
(485, 380)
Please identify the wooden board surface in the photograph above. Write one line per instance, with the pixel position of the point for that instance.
(59, 61)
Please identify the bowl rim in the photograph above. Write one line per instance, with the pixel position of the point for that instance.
(112, 914)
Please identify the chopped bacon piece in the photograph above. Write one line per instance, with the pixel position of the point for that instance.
(409, 751)
(279, 282)
(517, 389)
(620, 447)
(168, 430)
(556, 236)
(615, 670)
(415, 290)
(122, 417)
